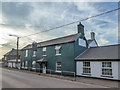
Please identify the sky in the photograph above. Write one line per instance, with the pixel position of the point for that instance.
(24, 18)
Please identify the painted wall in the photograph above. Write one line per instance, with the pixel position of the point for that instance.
(96, 69)
(68, 52)
(66, 57)
(93, 44)
(80, 49)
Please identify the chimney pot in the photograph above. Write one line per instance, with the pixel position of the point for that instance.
(92, 35)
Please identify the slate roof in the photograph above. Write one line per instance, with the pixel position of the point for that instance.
(56, 41)
(99, 53)
(13, 52)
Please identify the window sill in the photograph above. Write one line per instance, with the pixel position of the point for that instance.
(33, 68)
(44, 55)
(109, 76)
(57, 54)
(58, 71)
(88, 74)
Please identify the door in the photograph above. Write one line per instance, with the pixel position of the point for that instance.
(44, 68)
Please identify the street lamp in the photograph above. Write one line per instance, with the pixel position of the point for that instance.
(17, 47)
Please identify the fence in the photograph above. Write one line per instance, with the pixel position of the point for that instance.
(61, 74)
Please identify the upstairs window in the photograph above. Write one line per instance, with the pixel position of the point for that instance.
(58, 50)
(86, 68)
(44, 51)
(107, 68)
(34, 53)
(26, 53)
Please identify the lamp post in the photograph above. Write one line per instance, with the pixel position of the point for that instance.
(17, 47)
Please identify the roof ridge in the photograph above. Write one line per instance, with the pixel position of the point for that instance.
(106, 46)
(59, 38)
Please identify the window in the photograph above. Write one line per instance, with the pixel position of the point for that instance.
(33, 64)
(106, 68)
(34, 53)
(5, 58)
(58, 66)
(58, 50)
(22, 64)
(26, 53)
(86, 68)
(44, 51)
(26, 64)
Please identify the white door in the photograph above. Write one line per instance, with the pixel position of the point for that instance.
(44, 68)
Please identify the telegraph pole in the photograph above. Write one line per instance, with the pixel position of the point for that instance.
(17, 48)
(17, 51)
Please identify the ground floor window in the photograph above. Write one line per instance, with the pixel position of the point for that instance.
(86, 68)
(107, 68)
(34, 64)
(26, 64)
(58, 66)
(22, 64)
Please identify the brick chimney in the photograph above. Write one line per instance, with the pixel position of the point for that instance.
(80, 28)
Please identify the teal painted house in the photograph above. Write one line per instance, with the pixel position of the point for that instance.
(56, 54)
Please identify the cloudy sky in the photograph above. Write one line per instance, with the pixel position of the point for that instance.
(24, 18)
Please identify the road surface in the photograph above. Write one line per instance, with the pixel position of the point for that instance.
(16, 79)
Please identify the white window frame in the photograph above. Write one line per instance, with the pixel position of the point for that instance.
(26, 53)
(22, 64)
(34, 65)
(107, 68)
(57, 66)
(5, 58)
(26, 64)
(34, 53)
(58, 50)
(44, 50)
(87, 67)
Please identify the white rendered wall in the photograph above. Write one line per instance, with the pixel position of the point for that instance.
(14, 65)
(92, 44)
(9, 64)
(96, 69)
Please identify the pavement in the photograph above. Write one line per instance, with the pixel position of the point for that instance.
(15, 79)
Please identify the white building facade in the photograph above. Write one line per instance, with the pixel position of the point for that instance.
(99, 62)
(98, 69)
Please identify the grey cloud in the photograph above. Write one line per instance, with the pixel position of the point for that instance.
(16, 13)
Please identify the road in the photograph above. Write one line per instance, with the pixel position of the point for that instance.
(16, 79)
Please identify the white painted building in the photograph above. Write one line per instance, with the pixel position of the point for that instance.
(99, 62)
(10, 59)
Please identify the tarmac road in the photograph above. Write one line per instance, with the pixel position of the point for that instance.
(16, 79)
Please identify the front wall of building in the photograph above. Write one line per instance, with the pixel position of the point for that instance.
(68, 52)
(66, 57)
(96, 69)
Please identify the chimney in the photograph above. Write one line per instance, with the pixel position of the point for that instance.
(92, 35)
(80, 28)
(34, 46)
